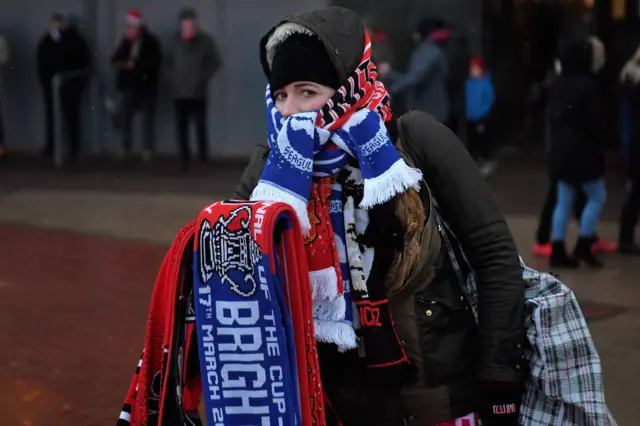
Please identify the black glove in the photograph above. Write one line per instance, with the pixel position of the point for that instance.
(500, 404)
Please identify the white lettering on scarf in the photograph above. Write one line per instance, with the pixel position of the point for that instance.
(243, 380)
(243, 376)
(259, 219)
(211, 368)
(295, 159)
(381, 137)
(305, 122)
(273, 349)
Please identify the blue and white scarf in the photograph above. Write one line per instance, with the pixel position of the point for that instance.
(298, 154)
(301, 151)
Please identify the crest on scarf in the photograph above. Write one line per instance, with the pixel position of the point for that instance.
(313, 218)
(228, 250)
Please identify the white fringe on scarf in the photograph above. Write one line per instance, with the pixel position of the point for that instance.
(324, 283)
(395, 180)
(330, 310)
(340, 333)
(268, 191)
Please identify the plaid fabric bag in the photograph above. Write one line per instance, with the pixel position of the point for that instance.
(565, 385)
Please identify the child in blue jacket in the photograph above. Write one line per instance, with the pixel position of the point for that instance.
(480, 97)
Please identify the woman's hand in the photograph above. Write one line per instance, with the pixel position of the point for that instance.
(500, 405)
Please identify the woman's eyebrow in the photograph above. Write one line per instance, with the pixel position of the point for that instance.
(304, 83)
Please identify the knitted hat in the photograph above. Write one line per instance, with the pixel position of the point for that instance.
(187, 13)
(302, 57)
(133, 18)
(478, 61)
(428, 26)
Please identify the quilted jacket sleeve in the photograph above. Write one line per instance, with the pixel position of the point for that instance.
(468, 206)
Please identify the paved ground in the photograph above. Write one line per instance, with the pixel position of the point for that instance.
(78, 257)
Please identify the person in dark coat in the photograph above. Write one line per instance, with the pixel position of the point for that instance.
(538, 98)
(425, 84)
(630, 79)
(63, 50)
(577, 148)
(192, 60)
(138, 59)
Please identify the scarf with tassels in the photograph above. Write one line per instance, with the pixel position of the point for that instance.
(258, 357)
(306, 152)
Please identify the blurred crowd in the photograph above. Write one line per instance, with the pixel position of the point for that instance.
(571, 97)
(190, 59)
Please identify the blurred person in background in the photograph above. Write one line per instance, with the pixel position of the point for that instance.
(577, 148)
(192, 60)
(630, 79)
(381, 48)
(538, 98)
(137, 60)
(62, 51)
(4, 58)
(425, 84)
(480, 98)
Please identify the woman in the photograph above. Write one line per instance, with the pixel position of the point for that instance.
(451, 369)
(577, 148)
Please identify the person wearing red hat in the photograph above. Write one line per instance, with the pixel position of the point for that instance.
(137, 60)
(192, 61)
(424, 84)
(480, 97)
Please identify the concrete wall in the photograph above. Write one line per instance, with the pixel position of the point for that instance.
(236, 114)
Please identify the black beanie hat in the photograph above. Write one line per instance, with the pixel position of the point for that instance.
(302, 57)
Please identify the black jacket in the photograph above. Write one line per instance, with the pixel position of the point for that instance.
(70, 53)
(576, 119)
(144, 77)
(633, 155)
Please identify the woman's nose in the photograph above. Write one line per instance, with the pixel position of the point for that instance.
(289, 108)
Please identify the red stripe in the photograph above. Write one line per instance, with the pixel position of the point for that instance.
(361, 90)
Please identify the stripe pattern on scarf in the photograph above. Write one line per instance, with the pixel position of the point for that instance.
(361, 90)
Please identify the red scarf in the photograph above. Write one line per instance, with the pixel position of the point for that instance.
(361, 90)
(146, 395)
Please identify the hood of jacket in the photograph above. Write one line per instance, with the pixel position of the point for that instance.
(340, 29)
(582, 57)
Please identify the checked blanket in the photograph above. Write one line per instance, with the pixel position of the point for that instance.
(565, 385)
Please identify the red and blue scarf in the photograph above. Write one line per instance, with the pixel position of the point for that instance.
(258, 358)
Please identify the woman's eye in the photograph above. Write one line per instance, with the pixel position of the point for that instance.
(308, 93)
(280, 96)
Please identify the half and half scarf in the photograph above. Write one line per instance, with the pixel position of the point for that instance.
(258, 357)
(306, 151)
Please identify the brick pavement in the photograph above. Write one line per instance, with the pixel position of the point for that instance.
(73, 307)
(72, 318)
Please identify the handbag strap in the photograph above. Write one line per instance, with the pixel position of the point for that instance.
(461, 267)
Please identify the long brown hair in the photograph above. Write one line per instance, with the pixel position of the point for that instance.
(409, 209)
